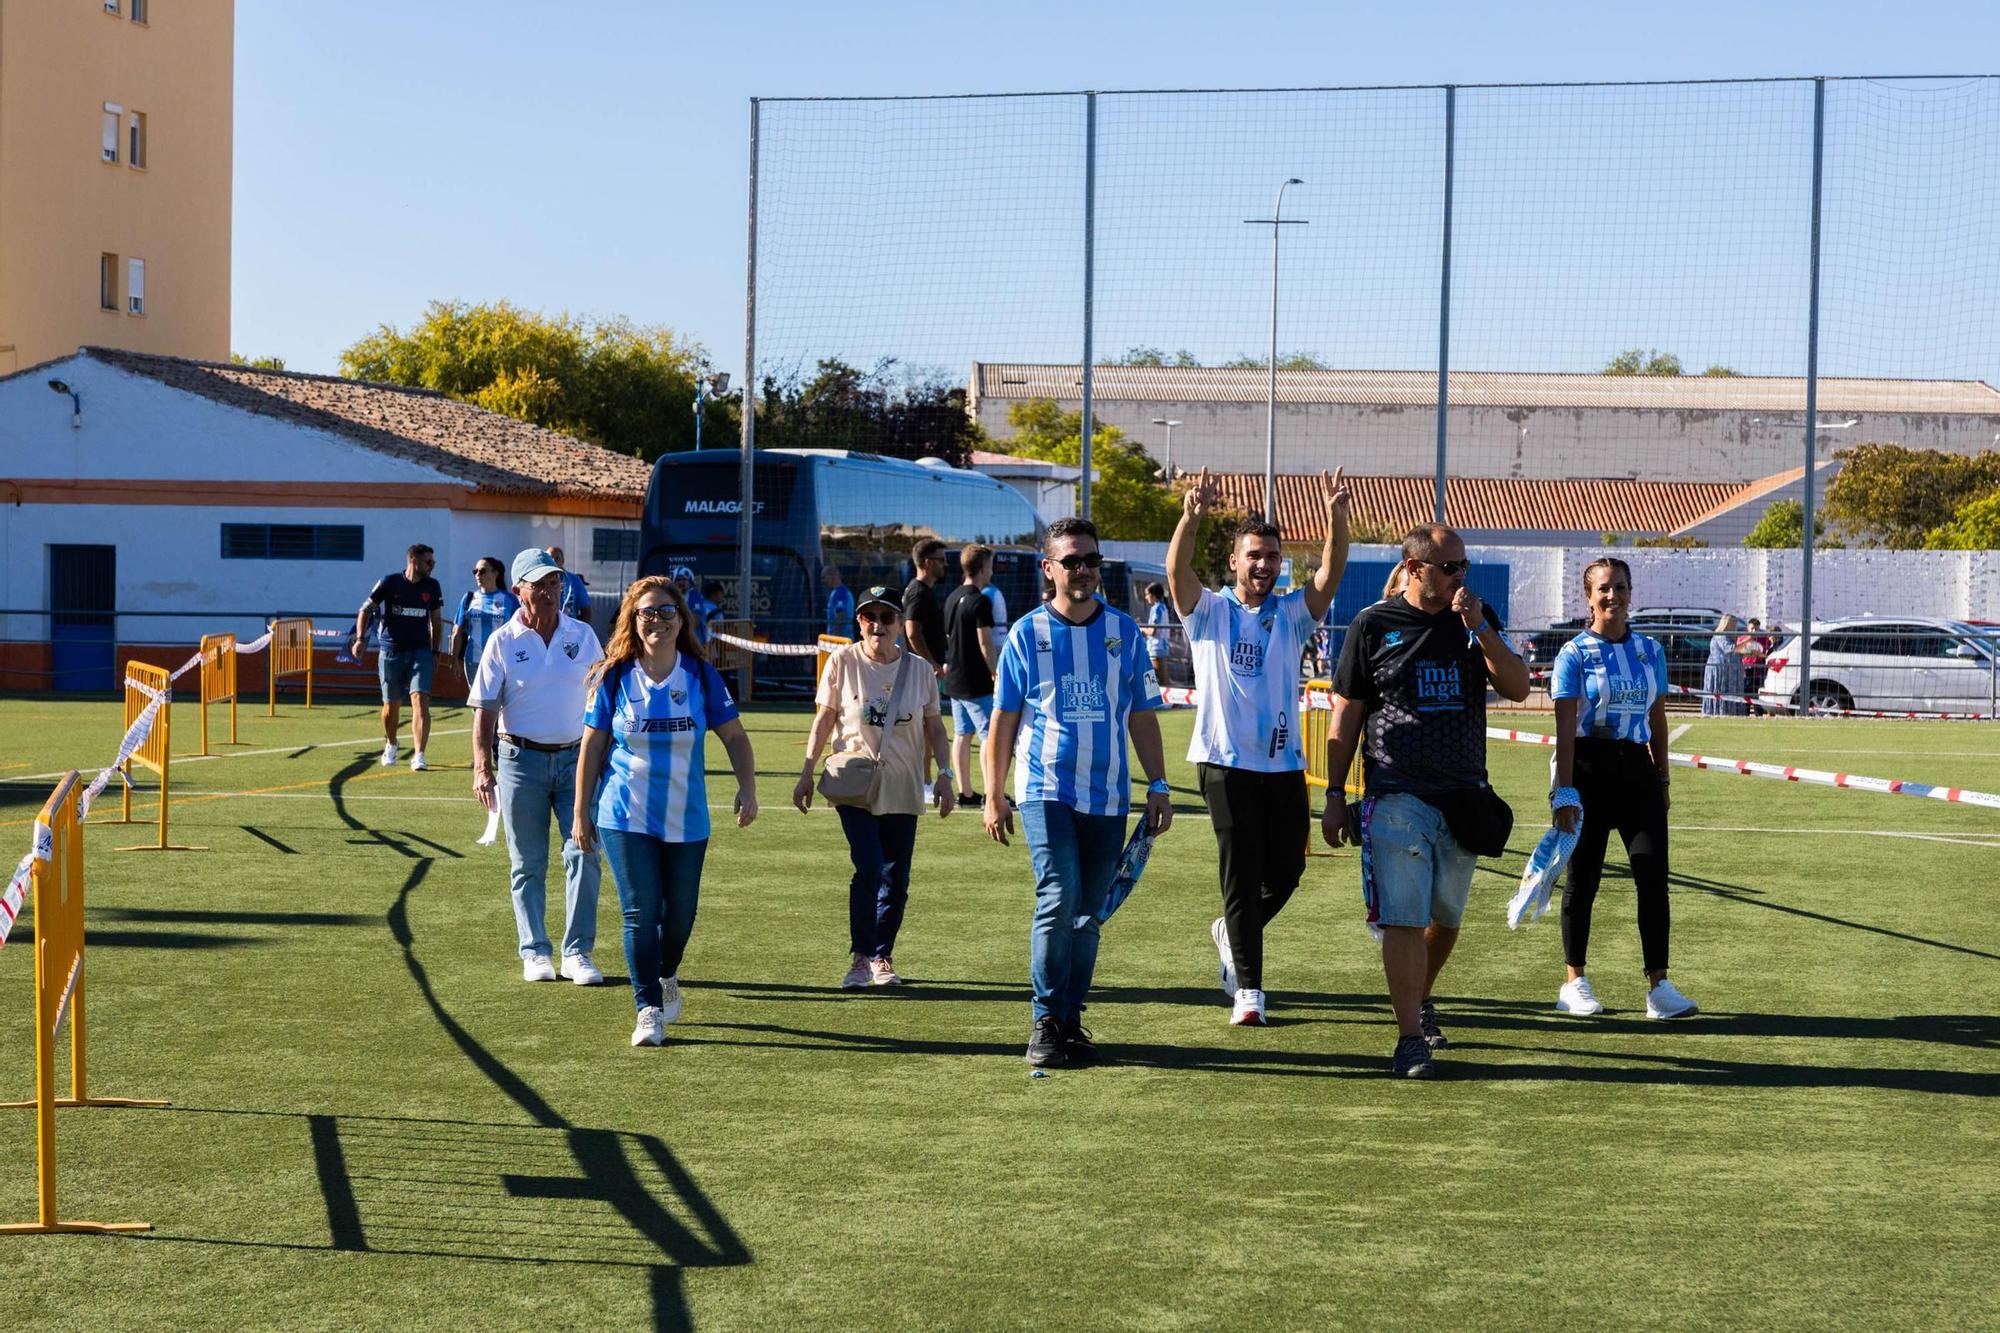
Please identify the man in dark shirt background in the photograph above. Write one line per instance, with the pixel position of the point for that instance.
(923, 617)
(411, 607)
(970, 654)
(1411, 688)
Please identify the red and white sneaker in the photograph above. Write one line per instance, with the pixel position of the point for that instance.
(1249, 1009)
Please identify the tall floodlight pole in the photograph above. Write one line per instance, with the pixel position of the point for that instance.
(1167, 464)
(746, 505)
(1275, 221)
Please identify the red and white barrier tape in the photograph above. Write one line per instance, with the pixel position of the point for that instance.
(768, 649)
(16, 893)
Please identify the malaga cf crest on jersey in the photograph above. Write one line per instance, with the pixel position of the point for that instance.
(569, 650)
(1113, 645)
(678, 696)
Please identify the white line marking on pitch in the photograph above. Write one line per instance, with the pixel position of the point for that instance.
(1678, 732)
(1971, 839)
(248, 754)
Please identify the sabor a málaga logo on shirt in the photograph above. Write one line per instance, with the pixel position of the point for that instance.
(1438, 687)
(1082, 699)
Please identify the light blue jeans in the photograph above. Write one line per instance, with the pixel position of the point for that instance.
(1075, 855)
(533, 783)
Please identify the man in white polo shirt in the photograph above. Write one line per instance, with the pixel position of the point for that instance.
(1247, 646)
(529, 695)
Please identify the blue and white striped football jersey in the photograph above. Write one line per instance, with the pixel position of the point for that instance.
(655, 781)
(1614, 684)
(1075, 687)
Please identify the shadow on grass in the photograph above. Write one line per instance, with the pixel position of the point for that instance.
(1010, 992)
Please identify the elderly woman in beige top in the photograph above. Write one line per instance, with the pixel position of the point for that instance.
(856, 692)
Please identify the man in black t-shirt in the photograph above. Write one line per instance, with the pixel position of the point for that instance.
(410, 604)
(970, 654)
(923, 619)
(1411, 690)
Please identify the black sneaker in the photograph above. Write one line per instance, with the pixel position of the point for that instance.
(970, 798)
(1427, 1023)
(1413, 1058)
(1048, 1044)
(1077, 1042)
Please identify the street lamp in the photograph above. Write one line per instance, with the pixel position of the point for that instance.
(706, 383)
(1275, 221)
(75, 402)
(1167, 471)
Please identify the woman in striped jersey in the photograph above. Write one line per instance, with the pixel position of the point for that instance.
(641, 786)
(1611, 768)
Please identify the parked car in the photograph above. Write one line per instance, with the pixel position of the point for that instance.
(1683, 632)
(1919, 664)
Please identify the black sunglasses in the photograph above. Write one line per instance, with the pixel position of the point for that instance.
(664, 611)
(1449, 567)
(1088, 560)
(874, 617)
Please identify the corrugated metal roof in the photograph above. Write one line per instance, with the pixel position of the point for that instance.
(493, 452)
(1507, 503)
(1477, 388)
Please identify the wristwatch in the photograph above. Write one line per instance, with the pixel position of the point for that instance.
(1159, 787)
(948, 775)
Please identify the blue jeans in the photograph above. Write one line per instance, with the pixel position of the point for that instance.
(880, 847)
(1075, 855)
(659, 887)
(533, 783)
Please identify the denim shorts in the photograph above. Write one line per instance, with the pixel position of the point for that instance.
(972, 715)
(406, 673)
(1413, 872)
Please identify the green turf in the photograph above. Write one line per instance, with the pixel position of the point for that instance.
(377, 1124)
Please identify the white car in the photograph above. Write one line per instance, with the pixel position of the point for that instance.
(1903, 664)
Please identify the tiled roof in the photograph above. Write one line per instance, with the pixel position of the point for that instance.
(1477, 388)
(493, 452)
(1485, 503)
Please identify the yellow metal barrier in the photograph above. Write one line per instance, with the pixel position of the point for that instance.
(156, 751)
(827, 643)
(290, 654)
(59, 992)
(218, 680)
(1314, 723)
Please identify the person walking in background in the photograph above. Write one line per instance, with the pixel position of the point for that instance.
(642, 785)
(1158, 628)
(1722, 674)
(1610, 693)
(527, 698)
(839, 602)
(1073, 686)
(1248, 644)
(575, 589)
(923, 617)
(1754, 648)
(712, 593)
(411, 607)
(878, 701)
(972, 648)
(1410, 689)
(697, 606)
(480, 612)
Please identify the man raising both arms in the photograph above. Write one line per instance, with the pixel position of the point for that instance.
(1411, 688)
(1247, 646)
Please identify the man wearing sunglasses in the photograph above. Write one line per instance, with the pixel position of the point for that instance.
(1411, 690)
(1074, 683)
(1247, 646)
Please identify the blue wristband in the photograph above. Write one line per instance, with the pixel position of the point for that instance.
(1159, 787)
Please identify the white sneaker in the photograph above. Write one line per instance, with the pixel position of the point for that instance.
(417, 764)
(389, 755)
(1576, 997)
(1218, 931)
(578, 968)
(1666, 1001)
(535, 967)
(650, 1031)
(1249, 1010)
(670, 999)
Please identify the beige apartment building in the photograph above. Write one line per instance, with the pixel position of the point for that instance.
(115, 126)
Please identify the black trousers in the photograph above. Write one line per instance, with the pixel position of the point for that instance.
(1261, 823)
(1620, 790)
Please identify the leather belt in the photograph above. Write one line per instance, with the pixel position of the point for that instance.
(540, 746)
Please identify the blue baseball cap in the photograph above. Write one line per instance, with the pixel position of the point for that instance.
(533, 565)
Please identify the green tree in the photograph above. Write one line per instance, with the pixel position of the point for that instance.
(1783, 526)
(1976, 528)
(1127, 503)
(885, 410)
(1288, 361)
(257, 362)
(1153, 356)
(1722, 372)
(627, 386)
(1888, 495)
(1643, 361)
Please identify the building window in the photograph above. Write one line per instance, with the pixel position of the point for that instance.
(614, 546)
(291, 541)
(113, 114)
(138, 11)
(135, 286)
(107, 282)
(135, 138)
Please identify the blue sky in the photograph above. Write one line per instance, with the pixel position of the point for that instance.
(592, 157)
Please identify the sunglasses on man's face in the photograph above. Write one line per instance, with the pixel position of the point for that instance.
(879, 617)
(1087, 560)
(664, 611)
(1449, 567)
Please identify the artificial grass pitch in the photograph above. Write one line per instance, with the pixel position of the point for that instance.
(376, 1123)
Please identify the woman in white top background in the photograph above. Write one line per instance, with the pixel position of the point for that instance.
(856, 693)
